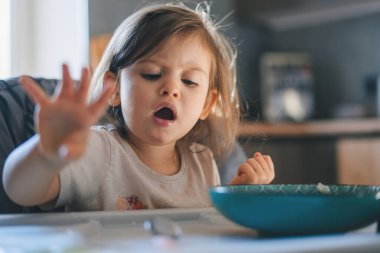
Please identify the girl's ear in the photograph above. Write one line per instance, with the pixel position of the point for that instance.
(110, 78)
(210, 102)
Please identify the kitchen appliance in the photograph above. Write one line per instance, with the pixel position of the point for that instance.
(287, 86)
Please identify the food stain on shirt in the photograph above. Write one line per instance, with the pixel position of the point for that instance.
(131, 202)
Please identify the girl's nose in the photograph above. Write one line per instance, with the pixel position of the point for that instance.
(170, 88)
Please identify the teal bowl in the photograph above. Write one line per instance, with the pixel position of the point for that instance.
(287, 210)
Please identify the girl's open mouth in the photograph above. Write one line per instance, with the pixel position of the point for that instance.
(165, 115)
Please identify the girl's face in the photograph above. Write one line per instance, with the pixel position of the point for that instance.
(163, 95)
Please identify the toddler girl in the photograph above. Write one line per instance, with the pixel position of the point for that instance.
(167, 81)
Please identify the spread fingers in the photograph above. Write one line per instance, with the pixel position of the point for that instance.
(34, 90)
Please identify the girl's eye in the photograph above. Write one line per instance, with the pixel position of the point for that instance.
(151, 76)
(189, 82)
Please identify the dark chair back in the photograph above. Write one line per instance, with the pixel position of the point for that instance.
(17, 125)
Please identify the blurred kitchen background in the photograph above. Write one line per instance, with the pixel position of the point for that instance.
(307, 70)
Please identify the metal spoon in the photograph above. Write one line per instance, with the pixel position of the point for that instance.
(163, 227)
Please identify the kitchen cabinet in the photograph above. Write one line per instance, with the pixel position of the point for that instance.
(331, 151)
(358, 160)
(296, 14)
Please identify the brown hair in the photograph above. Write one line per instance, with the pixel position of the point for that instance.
(145, 31)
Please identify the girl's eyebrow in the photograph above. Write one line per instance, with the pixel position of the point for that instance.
(144, 61)
(151, 61)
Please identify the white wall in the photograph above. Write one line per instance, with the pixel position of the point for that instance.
(4, 38)
(46, 33)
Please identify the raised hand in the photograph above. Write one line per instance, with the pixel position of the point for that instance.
(63, 121)
(258, 169)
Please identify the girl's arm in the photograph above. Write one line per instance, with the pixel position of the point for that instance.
(30, 176)
(258, 169)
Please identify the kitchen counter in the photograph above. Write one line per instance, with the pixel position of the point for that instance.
(341, 151)
(204, 230)
(310, 128)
